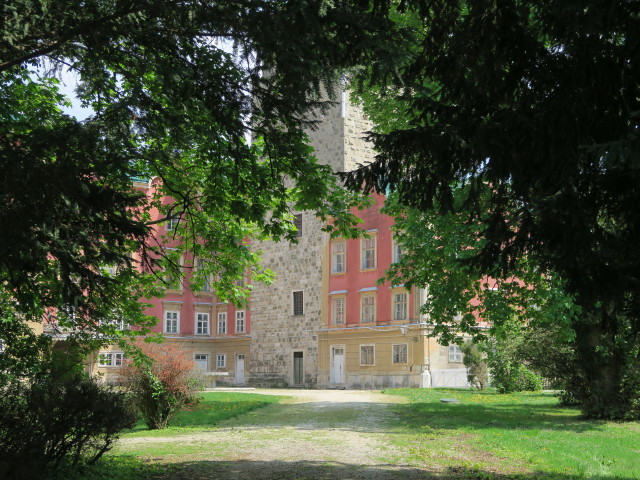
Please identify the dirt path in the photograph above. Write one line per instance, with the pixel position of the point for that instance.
(316, 434)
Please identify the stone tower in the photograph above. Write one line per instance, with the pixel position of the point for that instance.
(284, 344)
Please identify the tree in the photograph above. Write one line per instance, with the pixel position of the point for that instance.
(176, 89)
(534, 106)
(500, 314)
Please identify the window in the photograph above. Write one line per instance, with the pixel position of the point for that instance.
(337, 308)
(368, 251)
(338, 257)
(172, 223)
(110, 359)
(110, 271)
(221, 360)
(202, 361)
(206, 286)
(455, 354)
(367, 355)
(368, 308)
(400, 353)
(399, 306)
(172, 280)
(298, 303)
(117, 324)
(297, 222)
(240, 321)
(397, 251)
(202, 324)
(171, 322)
(222, 323)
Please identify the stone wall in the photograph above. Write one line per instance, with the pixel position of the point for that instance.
(276, 334)
(357, 151)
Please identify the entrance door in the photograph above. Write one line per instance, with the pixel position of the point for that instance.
(298, 369)
(337, 365)
(239, 369)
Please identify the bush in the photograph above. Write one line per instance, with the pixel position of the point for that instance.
(163, 384)
(477, 371)
(515, 378)
(56, 417)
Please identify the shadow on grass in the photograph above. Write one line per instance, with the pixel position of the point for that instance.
(479, 417)
(522, 412)
(210, 413)
(309, 470)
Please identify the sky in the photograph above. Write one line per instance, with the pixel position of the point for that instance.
(67, 86)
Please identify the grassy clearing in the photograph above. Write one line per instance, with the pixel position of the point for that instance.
(212, 409)
(513, 435)
(132, 464)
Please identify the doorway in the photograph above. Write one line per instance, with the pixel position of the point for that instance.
(298, 368)
(337, 365)
(240, 369)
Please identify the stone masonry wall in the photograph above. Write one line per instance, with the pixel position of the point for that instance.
(357, 151)
(275, 332)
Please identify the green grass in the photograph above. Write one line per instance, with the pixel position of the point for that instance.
(514, 435)
(133, 464)
(213, 408)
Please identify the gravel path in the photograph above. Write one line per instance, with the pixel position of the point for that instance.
(316, 434)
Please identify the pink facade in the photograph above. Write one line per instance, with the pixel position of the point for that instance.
(194, 314)
(355, 267)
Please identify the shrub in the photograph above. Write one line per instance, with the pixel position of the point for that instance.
(58, 416)
(477, 371)
(163, 384)
(515, 377)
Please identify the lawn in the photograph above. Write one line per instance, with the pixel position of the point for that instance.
(513, 435)
(213, 408)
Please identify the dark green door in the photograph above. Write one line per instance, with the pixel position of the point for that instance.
(298, 369)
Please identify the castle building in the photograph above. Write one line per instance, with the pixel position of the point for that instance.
(326, 321)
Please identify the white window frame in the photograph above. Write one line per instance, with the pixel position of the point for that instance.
(395, 359)
(368, 262)
(172, 223)
(206, 286)
(455, 354)
(373, 355)
(240, 321)
(368, 309)
(175, 322)
(339, 256)
(222, 323)
(300, 305)
(338, 310)
(110, 359)
(119, 324)
(400, 309)
(396, 250)
(221, 360)
(202, 325)
(206, 358)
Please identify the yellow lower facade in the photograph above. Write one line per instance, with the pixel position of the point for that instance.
(390, 356)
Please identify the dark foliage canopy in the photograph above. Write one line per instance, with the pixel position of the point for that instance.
(535, 106)
(176, 89)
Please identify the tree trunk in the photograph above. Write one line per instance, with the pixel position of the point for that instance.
(606, 380)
